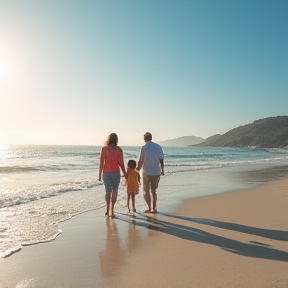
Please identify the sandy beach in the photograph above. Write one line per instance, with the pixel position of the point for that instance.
(236, 239)
(231, 239)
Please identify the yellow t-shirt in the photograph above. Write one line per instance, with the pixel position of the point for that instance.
(133, 180)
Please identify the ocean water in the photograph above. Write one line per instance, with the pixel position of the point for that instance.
(40, 186)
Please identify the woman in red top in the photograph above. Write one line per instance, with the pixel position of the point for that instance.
(111, 159)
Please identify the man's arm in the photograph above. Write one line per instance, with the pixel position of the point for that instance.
(140, 164)
(162, 166)
(161, 159)
(140, 161)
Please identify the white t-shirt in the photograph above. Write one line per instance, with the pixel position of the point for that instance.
(151, 154)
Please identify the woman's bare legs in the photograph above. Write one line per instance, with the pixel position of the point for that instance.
(113, 200)
(107, 198)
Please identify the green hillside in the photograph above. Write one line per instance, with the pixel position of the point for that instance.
(269, 132)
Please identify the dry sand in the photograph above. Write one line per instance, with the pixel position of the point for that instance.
(233, 239)
(236, 239)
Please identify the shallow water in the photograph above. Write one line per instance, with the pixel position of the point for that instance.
(43, 185)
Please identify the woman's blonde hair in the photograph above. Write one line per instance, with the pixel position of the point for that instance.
(111, 140)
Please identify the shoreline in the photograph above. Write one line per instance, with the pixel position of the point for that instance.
(97, 251)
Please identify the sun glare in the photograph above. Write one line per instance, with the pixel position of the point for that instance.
(2, 69)
(4, 152)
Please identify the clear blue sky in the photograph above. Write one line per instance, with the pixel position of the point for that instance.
(71, 72)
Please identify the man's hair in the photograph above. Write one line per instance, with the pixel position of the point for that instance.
(112, 140)
(148, 136)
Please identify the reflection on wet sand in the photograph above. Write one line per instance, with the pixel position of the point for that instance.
(134, 239)
(112, 257)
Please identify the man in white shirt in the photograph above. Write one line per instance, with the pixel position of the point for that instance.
(152, 161)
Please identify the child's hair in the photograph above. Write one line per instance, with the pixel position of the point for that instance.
(132, 164)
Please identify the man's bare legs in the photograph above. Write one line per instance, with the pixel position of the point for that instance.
(150, 186)
(154, 200)
(147, 199)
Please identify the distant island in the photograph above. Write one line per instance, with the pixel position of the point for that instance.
(271, 132)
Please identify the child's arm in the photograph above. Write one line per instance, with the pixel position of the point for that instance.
(127, 173)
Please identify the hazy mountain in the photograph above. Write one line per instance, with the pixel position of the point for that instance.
(181, 141)
(271, 132)
(209, 139)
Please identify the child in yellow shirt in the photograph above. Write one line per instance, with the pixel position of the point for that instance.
(132, 183)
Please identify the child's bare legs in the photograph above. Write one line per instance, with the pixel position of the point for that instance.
(128, 202)
(133, 202)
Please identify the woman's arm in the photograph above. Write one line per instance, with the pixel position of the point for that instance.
(101, 165)
(121, 163)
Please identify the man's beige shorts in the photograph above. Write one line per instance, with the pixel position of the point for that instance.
(150, 182)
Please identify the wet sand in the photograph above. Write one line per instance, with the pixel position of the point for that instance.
(232, 239)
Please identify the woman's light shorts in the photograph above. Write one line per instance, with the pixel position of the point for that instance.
(111, 182)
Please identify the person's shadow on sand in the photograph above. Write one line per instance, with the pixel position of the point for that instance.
(198, 235)
(267, 233)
